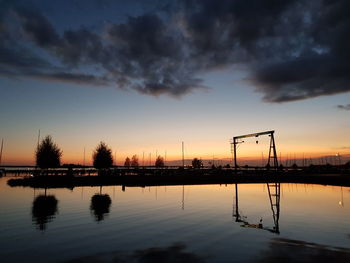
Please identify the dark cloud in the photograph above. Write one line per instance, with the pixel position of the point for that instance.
(38, 27)
(344, 107)
(20, 61)
(76, 78)
(294, 49)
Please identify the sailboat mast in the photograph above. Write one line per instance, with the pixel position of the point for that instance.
(2, 146)
(38, 139)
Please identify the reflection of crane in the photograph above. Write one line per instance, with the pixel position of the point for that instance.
(274, 190)
(274, 197)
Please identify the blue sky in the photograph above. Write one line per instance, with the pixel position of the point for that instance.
(163, 102)
(79, 116)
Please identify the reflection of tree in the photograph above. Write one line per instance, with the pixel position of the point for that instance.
(100, 205)
(44, 210)
(175, 253)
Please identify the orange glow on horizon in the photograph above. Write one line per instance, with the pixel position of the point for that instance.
(27, 158)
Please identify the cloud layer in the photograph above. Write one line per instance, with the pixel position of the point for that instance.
(294, 49)
(344, 107)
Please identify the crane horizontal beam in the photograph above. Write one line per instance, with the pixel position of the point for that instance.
(252, 135)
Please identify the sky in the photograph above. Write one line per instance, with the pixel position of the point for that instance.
(145, 75)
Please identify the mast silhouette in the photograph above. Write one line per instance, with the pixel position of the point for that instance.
(2, 146)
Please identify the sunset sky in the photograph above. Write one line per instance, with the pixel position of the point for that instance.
(144, 75)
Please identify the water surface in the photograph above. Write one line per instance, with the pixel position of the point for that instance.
(199, 223)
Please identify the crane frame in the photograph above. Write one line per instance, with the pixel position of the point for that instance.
(272, 148)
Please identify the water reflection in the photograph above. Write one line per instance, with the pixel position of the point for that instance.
(274, 193)
(341, 202)
(174, 253)
(313, 225)
(100, 205)
(44, 210)
(289, 250)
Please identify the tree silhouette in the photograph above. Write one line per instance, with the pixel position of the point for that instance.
(44, 210)
(100, 205)
(196, 163)
(102, 156)
(47, 154)
(159, 162)
(134, 161)
(127, 162)
(347, 164)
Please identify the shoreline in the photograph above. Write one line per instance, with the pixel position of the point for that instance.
(179, 179)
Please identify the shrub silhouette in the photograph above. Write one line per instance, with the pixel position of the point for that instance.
(196, 163)
(135, 161)
(159, 162)
(102, 156)
(47, 154)
(127, 162)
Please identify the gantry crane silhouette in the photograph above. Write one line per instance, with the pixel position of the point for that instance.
(272, 149)
(274, 198)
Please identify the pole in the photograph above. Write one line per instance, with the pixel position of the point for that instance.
(84, 158)
(236, 213)
(235, 152)
(280, 158)
(38, 139)
(275, 159)
(37, 147)
(183, 155)
(183, 198)
(2, 145)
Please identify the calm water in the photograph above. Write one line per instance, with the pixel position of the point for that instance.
(203, 223)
